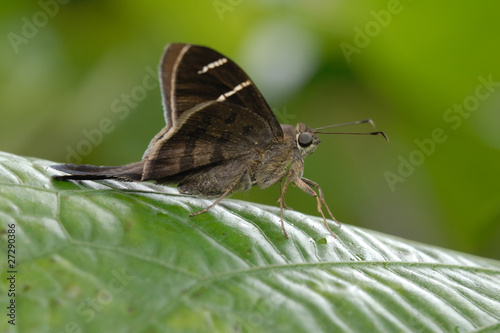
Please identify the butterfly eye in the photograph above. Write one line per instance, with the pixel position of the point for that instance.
(305, 139)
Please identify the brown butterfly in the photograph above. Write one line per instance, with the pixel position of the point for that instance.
(221, 135)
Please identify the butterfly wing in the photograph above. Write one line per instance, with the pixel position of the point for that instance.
(213, 112)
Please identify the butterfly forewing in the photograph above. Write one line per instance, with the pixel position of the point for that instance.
(204, 75)
(209, 101)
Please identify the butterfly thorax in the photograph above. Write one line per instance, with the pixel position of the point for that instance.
(275, 160)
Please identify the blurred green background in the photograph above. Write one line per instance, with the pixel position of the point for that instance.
(409, 65)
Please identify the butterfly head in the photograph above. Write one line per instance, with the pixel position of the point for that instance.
(306, 140)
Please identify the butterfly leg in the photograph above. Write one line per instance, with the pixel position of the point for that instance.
(305, 185)
(282, 197)
(216, 202)
(283, 188)
(322, 198)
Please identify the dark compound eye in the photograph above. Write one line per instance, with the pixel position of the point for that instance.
(305, 139)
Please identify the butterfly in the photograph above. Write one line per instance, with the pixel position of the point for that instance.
(220, 137)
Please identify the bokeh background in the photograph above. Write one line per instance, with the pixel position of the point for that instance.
(73, 69)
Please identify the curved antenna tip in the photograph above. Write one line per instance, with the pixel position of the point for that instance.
(381, 133)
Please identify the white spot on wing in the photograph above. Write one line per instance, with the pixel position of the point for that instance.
(213, 65)
(234, 91)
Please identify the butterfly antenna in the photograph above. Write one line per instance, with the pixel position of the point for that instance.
(350, 133)
(347, 124)
(370, 133)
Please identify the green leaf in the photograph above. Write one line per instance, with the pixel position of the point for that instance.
(124, 257)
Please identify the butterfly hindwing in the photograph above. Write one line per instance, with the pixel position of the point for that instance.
(193, 146)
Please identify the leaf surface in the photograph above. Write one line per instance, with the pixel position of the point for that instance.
(110, 256)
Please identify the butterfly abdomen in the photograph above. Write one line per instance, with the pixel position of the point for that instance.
(232, 175)
(128, 172)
